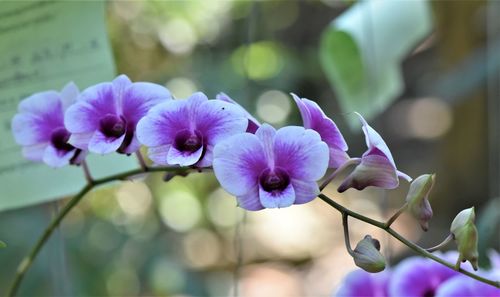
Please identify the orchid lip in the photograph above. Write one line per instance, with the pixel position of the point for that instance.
(112, 125)
(59, 139)
(276, 179)
(188, 141)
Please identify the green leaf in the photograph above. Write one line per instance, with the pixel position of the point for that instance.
(488, 224)
(361, 52)
(2, 244)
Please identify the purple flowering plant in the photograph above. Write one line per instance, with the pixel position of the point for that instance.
(405, 279)
(261, 166)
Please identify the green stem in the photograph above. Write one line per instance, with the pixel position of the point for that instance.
(403, 240)
(328, 180)
(396, 215)
(28, 260)
(345, 224)
(441, 245)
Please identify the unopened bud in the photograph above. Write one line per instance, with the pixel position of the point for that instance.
(367, 255)
(465, 234)
(418, 199)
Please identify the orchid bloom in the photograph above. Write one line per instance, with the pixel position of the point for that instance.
(184, 132)
(314, 118)
(39, 127)
(271, 169)
(419, 277)
(376, 167)
(253, 124)
(104, 118)
(361, 283)
(464, 286)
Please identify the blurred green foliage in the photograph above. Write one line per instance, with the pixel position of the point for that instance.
(151, 238)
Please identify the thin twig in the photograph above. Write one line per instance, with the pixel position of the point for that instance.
(447, 240)
(328, 180)
(345, 224)
(403, 240)
(141, 160)
(396, 215)
(86, 172)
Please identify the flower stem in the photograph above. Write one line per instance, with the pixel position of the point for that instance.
(396, 215)
(345, 224)
(29, 259)
(142, 163)
(405, 241)
(441, 245)
(86, 171)
(352, 161)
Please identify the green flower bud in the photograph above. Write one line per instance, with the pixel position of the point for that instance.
(465, 234)
(367, 255)
(418, 199)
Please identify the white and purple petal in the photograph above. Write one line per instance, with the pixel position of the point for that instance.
(39, 127)
(253, 124)
(360, 283)
(301, 153)
(373, 139)
(266, 135)
(375, 170)
(238, 163)
(138, 98)
(38, 116)
(162, 122)
(277, 199)
(418, 276)
(57, 158)
(464, 286)
(216, 120)
(102, 144)
(314, 118)
(250, 200)
(305, 191)
(93, 104)
(183, 158)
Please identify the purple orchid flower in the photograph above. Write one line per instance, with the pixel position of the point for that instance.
(376, 167)
(104, 118)
(461, 285)
(464, 286)
(417, 276)
(184, 132)
(361, 283)
(270, 168)
(314, 118)
(253, 124)
(39, 127)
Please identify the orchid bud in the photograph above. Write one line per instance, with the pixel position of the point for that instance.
(465, 234)
(367, 256)
(418, 199)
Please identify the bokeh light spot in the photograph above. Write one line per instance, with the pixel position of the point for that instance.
(259, 61)
(273, 106)
(181, 87)
(180, 210)
(201, 248)
(429, 118)
(177, 36)
(134, 198)
(222, 209)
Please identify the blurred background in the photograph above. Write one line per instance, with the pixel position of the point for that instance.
(187, 237)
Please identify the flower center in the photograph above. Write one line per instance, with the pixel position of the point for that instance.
(59, 139)
(187, 141)
(112, 125)
(274, 180)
